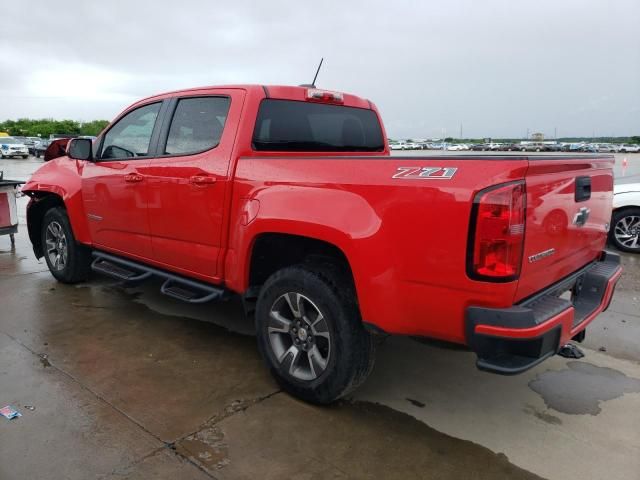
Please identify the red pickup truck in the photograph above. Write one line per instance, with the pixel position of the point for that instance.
(288, 197)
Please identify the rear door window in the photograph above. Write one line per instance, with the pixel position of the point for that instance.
(285, 125)
(197, 125)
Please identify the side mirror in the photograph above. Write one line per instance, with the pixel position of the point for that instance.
(80, 149)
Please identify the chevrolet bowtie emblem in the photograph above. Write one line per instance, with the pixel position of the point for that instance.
(580, 218)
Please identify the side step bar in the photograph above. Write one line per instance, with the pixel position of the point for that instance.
(175, 286)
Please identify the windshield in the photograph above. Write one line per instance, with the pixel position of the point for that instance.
(8, 140)
(286, 125)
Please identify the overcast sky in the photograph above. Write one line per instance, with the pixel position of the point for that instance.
(496, 67)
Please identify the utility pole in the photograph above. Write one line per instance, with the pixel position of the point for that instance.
(460, 131)
(527, 134)
(555, 133)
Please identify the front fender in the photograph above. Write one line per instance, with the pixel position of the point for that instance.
(61, 177)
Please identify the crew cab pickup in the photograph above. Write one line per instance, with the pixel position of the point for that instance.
(288, 196)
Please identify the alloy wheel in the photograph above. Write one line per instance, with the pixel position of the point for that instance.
(299, 336)
(57, 248)
(627, 231)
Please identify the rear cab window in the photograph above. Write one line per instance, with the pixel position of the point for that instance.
(297, 126)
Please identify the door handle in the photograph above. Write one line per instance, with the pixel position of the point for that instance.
(202, 180)
(133, 178)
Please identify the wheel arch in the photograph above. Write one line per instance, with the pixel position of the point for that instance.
(38, 206)
(272, 251)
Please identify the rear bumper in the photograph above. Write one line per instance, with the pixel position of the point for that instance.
(512, 340)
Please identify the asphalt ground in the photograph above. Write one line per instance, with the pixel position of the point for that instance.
(117, 382)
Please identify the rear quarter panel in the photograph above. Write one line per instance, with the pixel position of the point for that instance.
(405, 239)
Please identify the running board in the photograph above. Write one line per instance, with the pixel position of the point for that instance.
(175, 286)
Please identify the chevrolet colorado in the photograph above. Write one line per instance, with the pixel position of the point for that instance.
(288, 197)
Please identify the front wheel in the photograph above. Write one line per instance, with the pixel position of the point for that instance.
(625, 230)
(68, 261)
(310, 333)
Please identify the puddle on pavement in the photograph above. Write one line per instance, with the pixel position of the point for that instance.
(282, 437)
(580, 388)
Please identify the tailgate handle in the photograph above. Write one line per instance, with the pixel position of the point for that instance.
(583, 189)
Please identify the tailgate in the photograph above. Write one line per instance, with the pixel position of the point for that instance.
(568, 213)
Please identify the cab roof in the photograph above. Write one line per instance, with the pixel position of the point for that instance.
(281, 92)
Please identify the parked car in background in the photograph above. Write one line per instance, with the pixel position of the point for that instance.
(397, 146)
(493, 147)
(629, 148)
(607, 148)
(457, 147)
(40, 147)
(624, 232)
(552, 147)
(509, 147)
(533, 147)
(478, 147)
(57, 148)
(12, 147)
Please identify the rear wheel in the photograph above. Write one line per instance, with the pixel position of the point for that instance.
(625, 230)
(68, 261)
(310, 333)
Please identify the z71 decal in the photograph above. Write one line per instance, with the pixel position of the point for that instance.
(425, 173)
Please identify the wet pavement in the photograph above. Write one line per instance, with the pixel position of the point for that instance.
(126, 383)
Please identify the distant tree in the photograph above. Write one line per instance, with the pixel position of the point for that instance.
(94, 127)
(448, 139)
(47, 126)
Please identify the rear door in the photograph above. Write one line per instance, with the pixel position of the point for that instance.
(188, 181)
(114, 186)
(568, 214)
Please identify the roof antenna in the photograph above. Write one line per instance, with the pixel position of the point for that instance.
(313, 84)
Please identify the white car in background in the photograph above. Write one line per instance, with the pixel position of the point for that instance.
(10, 147)
(456, 147)
(624, 233)
(398, 146)
(629, 148)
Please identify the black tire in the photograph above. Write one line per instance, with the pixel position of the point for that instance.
(632, 227)
(25, 157)
(351, 348)
(77, 262)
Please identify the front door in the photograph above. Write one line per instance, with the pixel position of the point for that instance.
(188, 180)
(114, 186)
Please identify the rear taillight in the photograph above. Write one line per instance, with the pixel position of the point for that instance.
(496, 235)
